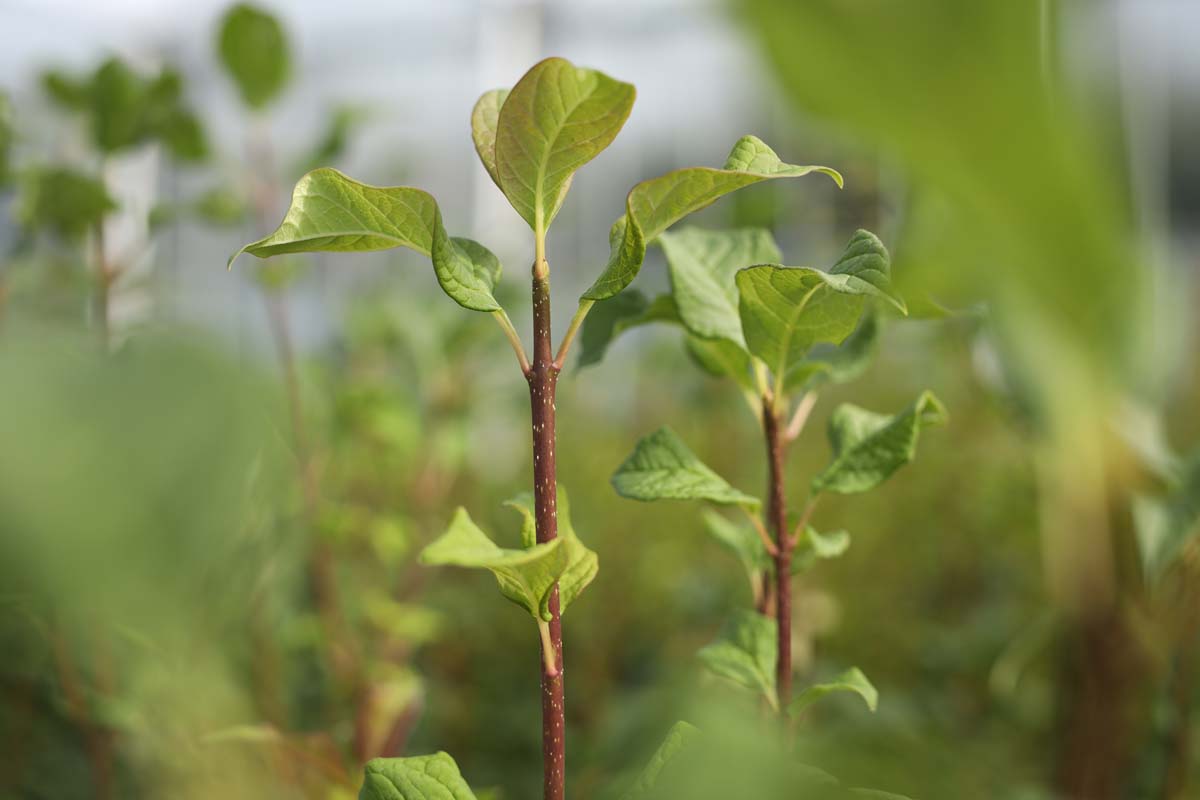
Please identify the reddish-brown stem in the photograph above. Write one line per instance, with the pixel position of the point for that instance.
(777, 519)
(543, 377)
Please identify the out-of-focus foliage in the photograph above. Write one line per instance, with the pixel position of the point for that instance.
(255, 51)
(62, 201)
(123, 110)
(7, 136)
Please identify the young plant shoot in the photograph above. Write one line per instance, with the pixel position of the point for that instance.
(780, 333)
(531, 140)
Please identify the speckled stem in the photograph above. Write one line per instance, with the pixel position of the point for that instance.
(777, 519)
(543, 377)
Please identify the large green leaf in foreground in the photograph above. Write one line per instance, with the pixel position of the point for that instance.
(785, 310)
(661, 467)
(869, 447)
(434, 777)
(556, 119)
(333, 213)
(656, 204)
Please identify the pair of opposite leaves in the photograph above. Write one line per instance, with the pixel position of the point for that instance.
(531, 139)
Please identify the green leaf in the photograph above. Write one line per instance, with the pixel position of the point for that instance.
(62, 201)
(582, 564)
(722, 358)
(334, 140)
(678, 738)
(333, 213)
(869, 447)
(434, 777)
(852, 680)
(484, 118)
(1165, 526)
(254, 49)
(816, 546)
(7, 137)
(610, 318)
(556, 119)
(842, 363)
(786, 310)
(653, 206)
(702, 265)
(740, 540)
(526, 577)
(662, 468)
(745, 653)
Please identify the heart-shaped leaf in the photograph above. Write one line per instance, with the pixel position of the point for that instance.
(786, 310)
(333, 213)
(556, 119)
(655, 205)
(662, 468)
(678, 738)
(434, 777)
(702, 265)
(852, 680)
(869, 447)
(745, 653)
(526, 577)
(255, 51)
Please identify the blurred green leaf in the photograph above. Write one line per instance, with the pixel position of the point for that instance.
(745, 653)
(254, 50)
(869, 447)
(557, 118)
(333, 213)
(786, 310)
(816, 546)
(221, 205)
(62, 201)
(702, 265)
(656, 204)
(1165, 525)
(434, 777)
(334, 139)
(740, 540)
(680, 735)
(484, 118)
(852, 680)
(7, 137)
(662, 468)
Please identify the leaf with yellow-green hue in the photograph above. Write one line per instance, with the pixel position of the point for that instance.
(656, 204)
(557, 118)
(484, 118)
(678, 738)
(333, 213)
(582, 564)
(869, 447)
(434, 777)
